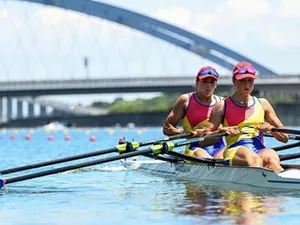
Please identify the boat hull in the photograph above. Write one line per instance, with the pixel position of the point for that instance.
(258, 177)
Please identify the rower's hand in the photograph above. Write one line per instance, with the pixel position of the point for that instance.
(197, 132)
(264, 127)
(231, 131)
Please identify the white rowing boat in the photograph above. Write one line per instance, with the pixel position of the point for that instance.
(258, 177)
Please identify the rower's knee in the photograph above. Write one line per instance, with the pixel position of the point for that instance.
(255, 161)
(274, 164)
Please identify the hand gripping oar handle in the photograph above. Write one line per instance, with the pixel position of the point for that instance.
(120, 148)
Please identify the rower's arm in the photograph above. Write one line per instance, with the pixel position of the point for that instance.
(214, 123)
(272, 119)
(176, 114)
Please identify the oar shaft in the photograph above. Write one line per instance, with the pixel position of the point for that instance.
(200, 139)
(170, 138)
(285, 147)
(196, 159)
(287, 166)
(77, 166)
(90, 154)
(195, 140)
(56, 161)
(285, 130)
(154, 149)
(291, 136)
(289, 156)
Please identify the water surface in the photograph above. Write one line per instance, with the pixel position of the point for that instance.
(109, 194)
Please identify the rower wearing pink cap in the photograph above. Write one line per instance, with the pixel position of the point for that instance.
(193, 110)
(241, 111)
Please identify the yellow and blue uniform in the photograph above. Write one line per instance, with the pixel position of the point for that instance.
(196, 116)
(243, 117)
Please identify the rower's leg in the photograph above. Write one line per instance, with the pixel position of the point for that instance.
(271, 159)
(219, 154)
(197, 151)
(201, 153)
(243, 156)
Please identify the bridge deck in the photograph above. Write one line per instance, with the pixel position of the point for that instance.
(283, 83)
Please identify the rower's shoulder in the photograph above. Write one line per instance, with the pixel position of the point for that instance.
(219, 98)
(219, 105)
(265, 104)
(183, 98)
(263, 101)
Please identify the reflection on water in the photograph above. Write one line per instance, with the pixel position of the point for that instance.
(195, 203)
(238, 207)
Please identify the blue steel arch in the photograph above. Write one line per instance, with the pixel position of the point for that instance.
(170, 33)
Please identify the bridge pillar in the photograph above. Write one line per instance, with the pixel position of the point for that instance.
(56, 112)
(9, 107)
(1, 109)
(20, 109)
(297, 97)
(30, 110)
(43, 110)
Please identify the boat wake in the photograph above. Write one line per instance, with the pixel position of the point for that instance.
(101, 169)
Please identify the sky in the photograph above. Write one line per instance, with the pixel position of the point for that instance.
(40, 42)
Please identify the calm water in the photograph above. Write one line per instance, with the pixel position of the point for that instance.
(108, 194)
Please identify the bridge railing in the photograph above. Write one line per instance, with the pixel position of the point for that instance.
(133, 81)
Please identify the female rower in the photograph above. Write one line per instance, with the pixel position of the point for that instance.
(193, 110)
(241, 110)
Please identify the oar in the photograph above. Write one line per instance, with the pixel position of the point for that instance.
(285, 147)
(119, 148)
(291, 136)
(288, 166)
(275, 129)
(167, 159)
(197, 159)
(289, 156)
(155, 149)
(285, 130)
(72, 167)
(211, 161)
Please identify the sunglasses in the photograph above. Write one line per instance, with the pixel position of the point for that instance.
(208, 71)
(245, 70)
